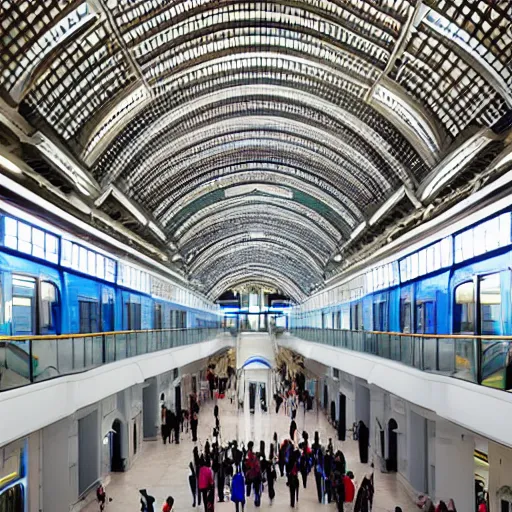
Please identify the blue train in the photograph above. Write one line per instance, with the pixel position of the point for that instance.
(51, 282)
(457, 284)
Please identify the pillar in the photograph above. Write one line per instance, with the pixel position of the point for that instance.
(454, 467)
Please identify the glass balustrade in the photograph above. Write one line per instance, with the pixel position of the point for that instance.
(25, 360)
(482, 360)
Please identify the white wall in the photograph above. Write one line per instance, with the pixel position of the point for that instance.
(485, 411)
(51, 401)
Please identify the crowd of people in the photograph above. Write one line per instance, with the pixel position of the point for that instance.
(233, 471)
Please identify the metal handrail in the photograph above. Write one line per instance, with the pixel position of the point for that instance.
(29, 359)
(416, 335)
(484, 360)
(93, 334)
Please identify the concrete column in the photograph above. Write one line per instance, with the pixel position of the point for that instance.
(454, 465)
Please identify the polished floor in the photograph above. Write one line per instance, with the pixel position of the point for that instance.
(162, 470)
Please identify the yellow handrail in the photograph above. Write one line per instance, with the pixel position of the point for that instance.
(439, 336)
(93, 334)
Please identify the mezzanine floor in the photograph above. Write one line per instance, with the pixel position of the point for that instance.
(163, 470)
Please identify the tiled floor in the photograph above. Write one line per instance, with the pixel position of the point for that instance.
(163, 469)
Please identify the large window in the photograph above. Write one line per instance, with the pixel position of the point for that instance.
(87, 261)
(464, 309)
(23, 305)
(430, 259)
(426, 317)
(490, 305)
(49, 317)
(133, 316)
(157, 324)
(22, 237)
(405, 315)
(89, 316)
(356, 317)
(485, 237)
(380, 315)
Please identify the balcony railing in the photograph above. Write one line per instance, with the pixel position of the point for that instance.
(28, 359)
(485, 360)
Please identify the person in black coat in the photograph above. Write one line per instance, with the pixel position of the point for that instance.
(328, 470)
(147, 502)
(192, 482)
(318, 461)
(271, 475)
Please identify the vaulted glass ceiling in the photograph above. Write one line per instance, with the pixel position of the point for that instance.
(258, 137)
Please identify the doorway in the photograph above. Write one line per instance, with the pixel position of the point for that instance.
(135, 437)
(177, 401)
(326, 397)
(333, 412)
(392, 461)
(342, 423)
(116, 462)
(150, 410)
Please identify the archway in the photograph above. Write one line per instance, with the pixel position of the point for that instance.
(333, 412)
(342, 422)
(116, 461)
(392, 461)
(326, 397)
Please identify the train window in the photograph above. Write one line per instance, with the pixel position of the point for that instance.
(157, 317)
(107, 310)
(50, 308)
(490, 305)
(356, 317)
(464, 309)
(11, 500)
(133, 316)
(23, 305)
(89, 316)
(425, 317)
(405, 315)
(380, 315)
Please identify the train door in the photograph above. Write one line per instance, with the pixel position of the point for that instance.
(157, 316)
(24, 305)
(406, 316)
(107, 310)
(380, 313)
(477, 306)
(49, 308)
(356, 316)
(425, 316)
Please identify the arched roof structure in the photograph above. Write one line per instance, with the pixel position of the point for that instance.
(258, 137)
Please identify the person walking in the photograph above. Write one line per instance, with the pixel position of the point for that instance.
(238, 491)
(205, 482)
(305, 459)
(167, 506)
(350, 490)
(271, 474)
(338, 485)
(193, 426)
(282, 456)
(192, 482)
(318, 462)
(328, 470)
(164, 426)
(197, 466)
(176, 427)
(292, 473)
(253, 474)
(147, 502)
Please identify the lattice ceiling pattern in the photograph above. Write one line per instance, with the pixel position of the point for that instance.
(258, 135)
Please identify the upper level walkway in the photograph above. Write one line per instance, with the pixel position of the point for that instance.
(438, 373)
(79, 370)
